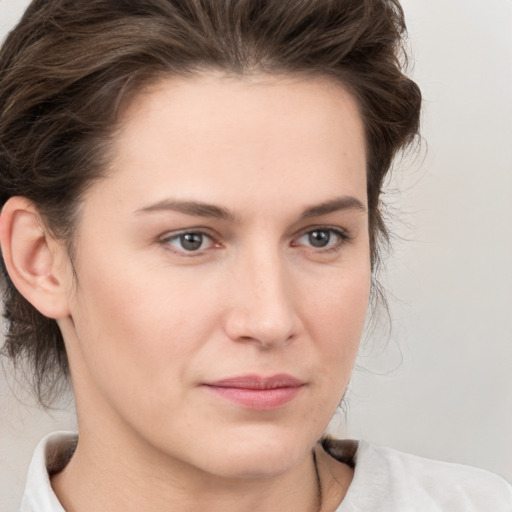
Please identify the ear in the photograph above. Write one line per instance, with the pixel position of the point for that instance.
(34, 260)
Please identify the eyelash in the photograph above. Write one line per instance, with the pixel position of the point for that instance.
(341, 236)
(166, 240)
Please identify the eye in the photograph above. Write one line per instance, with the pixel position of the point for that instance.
(322, 238)
(189, 242)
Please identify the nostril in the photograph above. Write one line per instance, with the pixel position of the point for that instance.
(269, 344)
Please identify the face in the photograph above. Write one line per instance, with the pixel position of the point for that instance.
(223, 273)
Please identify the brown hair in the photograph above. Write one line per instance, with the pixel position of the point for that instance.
(68, 66)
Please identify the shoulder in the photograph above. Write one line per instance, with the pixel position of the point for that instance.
(389, 480)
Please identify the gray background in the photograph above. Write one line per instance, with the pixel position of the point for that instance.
(440, 385)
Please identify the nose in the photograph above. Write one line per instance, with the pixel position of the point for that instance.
(262, 308)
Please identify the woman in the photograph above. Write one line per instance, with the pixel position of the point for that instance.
(190, 224)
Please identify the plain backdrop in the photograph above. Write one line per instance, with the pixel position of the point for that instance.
(440, 383)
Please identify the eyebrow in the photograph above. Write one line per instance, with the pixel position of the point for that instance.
(334, 205)
(194, 208)
(200, 209)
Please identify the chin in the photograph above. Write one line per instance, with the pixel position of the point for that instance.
(264, 452)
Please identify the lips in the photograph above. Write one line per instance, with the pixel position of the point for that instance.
(256, 392)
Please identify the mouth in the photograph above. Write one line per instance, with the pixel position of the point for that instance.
(256, 392)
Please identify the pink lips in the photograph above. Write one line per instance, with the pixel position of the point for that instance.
(259, 393)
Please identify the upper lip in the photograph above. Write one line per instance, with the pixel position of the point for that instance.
(281, 380)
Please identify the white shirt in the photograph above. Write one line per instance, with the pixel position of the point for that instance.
(385, 480)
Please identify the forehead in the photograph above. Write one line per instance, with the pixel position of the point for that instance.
(216, 102)
(214, 130)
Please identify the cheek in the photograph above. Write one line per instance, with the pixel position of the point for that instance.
(135, 328)
(336, 321)
(338, 301)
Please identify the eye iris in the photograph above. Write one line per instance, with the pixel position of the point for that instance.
(191, 241)
(319, 238)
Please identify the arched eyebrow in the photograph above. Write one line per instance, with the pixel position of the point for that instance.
(200, 209)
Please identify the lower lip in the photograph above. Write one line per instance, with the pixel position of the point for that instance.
(257, 399)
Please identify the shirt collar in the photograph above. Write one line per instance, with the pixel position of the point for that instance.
(51, 455)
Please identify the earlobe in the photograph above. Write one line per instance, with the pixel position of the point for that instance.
(31, 258)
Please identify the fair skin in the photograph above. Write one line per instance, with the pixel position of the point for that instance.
(228, 244)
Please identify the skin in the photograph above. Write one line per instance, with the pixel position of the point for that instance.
(147, 323)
